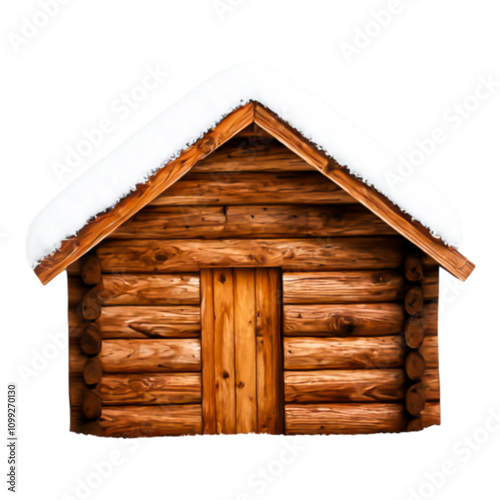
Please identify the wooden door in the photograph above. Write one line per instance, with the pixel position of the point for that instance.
(242, 382)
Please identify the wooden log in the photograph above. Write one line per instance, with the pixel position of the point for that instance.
(343, 320)
(247, 188)
(342, 287)
(77, 388)
(253, 221)
(245, 350)
(77, 358)
(431, 415)
(225, 377)
(92, 371)
(429, 351)
(76, 291)
(76, 323)
(414, 300)
(310, 353)
(414, 331)
(415, 399)
(208, 351)
(335, 386)
(255, 154)
(175, 222)
(106, 222)
(291, 254)
(269, 351)
(166, 355)
(150, 389)
(141, 322)
(91, 306)
(414, 269)
(344, 418)
(149, 289)
(430, 285)
(431, 380)
(75, 268)
(149, 421)
(91, 270)
(414, 365)
(430, 317)
(91, 405)
(90, 341)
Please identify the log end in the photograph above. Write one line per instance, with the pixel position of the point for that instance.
(90, 341)
(92, 371)
(415, 399)
(91, 270)
(92, 405)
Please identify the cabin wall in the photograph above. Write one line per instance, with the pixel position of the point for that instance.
(359, 304)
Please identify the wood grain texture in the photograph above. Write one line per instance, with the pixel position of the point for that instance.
(311, 353)
(155, 256)
(254, 153)
(431, 380)
(447, 256)
(253, 221)
(247, 188)
(149, 388)
(147, 289)
(208, 351)
(344, 418)
(245, 350)
(225, 376)
(343, 320)
(142, 322)
(342, 287)
(269, 351)
(106, 222)
(150, 421)
(336, 386)
(429, 351)
(166, 355)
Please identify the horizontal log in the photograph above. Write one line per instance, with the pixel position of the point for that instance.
(166, 355)
(251, 188)
(76, 291)
(414, 300)
(342, 287)
(414, 365)
(154, 256)
(429, 351)
(415, 399)
(431, 380)
(77, 388)
(310, 353)
(256, 153)
(141, 322)
(414, 269)
(335, 386)
(430, 285)
(344, 418)
(253, 221)
(92, 371)
(147, 289)
(150, 389)
(77, 358)
(343, 320)
(430, 318)
(149, 421)
(431, 415)
(90, 270)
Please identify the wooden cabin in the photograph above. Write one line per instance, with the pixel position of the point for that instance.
(253, 285)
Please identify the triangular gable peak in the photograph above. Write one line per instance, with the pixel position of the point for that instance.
(103, 224)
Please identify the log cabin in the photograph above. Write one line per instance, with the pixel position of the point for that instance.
(247, 282)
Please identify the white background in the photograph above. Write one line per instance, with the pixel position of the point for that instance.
(66, 79)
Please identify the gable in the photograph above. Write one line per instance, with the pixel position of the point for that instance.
(107, 222)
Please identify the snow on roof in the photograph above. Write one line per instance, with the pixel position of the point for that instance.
(182, 124)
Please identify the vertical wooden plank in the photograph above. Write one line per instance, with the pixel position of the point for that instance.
(269, 351)
(244, 336)
(207, 351)
(224, 351)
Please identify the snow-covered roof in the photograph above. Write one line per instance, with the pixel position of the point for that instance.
(182, 124)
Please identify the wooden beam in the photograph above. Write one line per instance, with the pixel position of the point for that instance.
(328, 254)
(452, 260)
(106, 222)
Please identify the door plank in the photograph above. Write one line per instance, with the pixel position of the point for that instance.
(224, 351)
(244, 337)
(269, 354)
